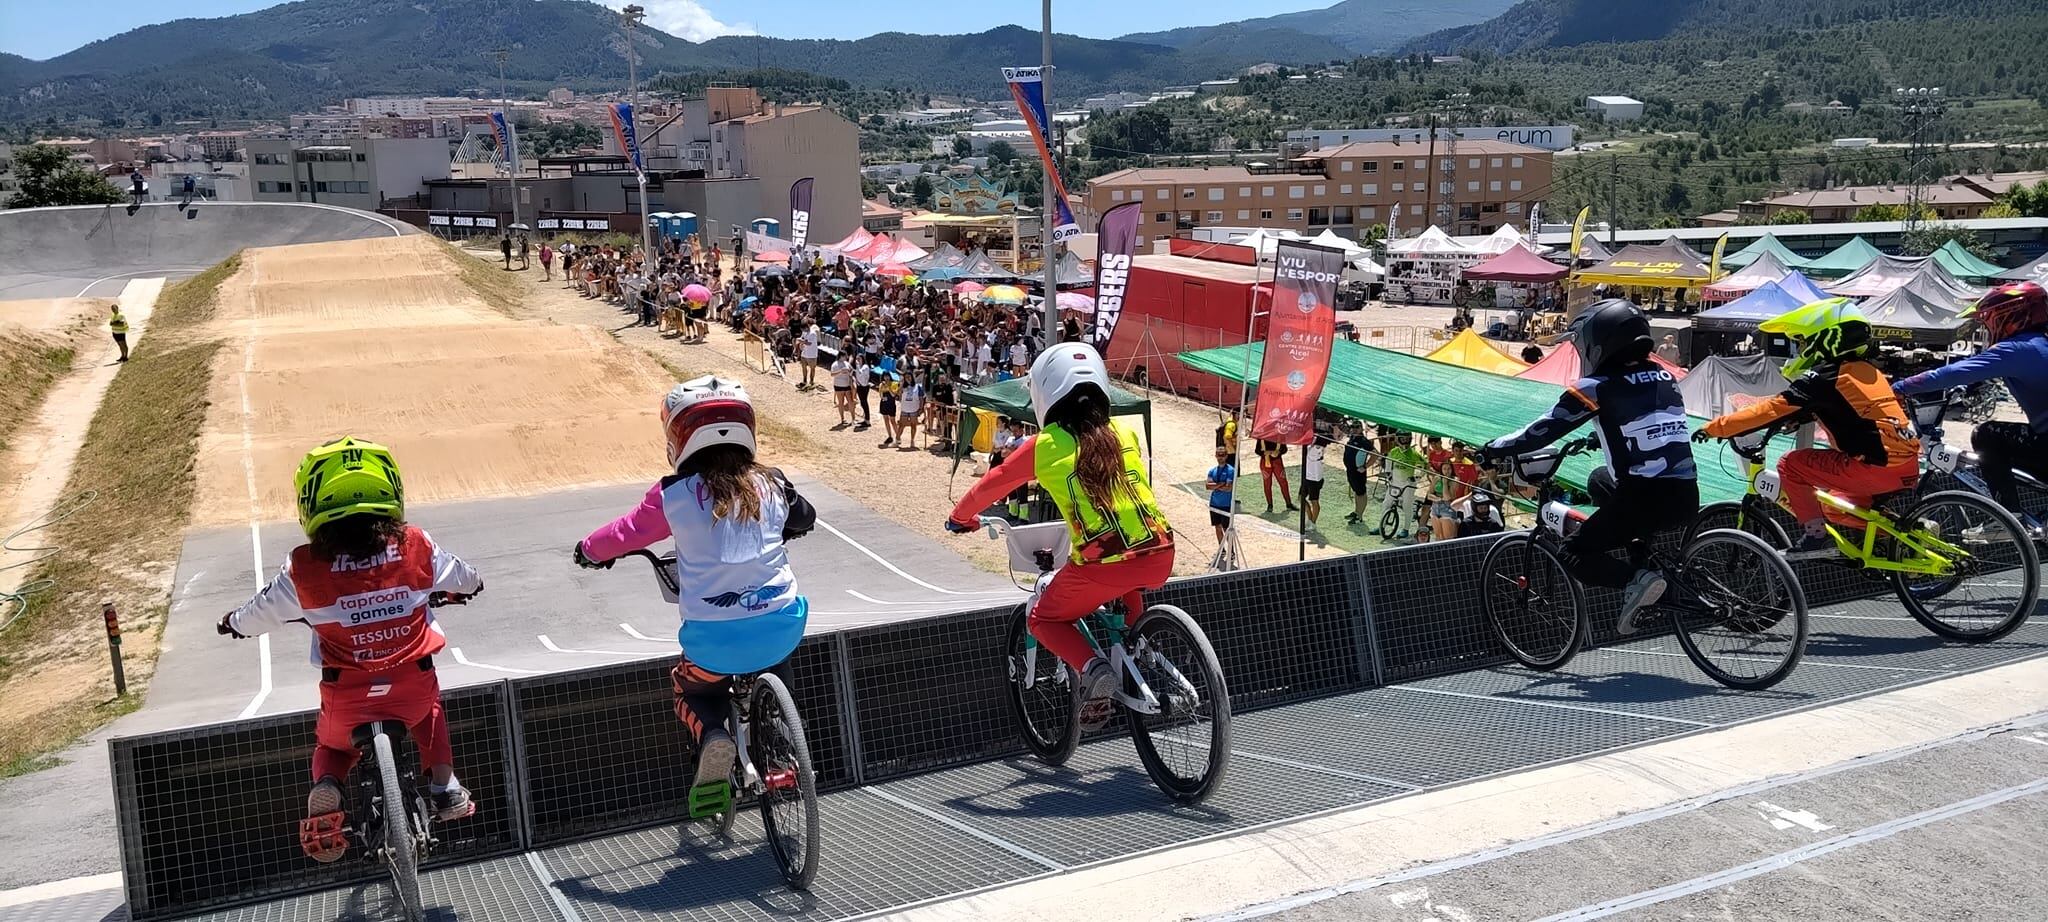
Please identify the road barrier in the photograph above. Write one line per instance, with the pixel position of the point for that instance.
(207, 815)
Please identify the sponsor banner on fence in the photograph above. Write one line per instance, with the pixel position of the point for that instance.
(1301, 330)
(800, 211)
(1027, 87)
(1116, 244)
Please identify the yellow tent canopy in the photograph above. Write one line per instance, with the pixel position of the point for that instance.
(1670, 264)
(1470, 350)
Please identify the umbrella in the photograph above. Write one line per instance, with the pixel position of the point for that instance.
(838, 283)
(772, 270)
(1003, 294)
(749, 301)
(696, 294)
(968, 288)
(517, 227)
(943, 274)
(893, 270)
(775, 313)
(1076, 301)
(771, 256)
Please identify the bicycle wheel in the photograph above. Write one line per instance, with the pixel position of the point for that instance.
(789, 785)
(1390, 524)
(1990, 590)
(399, 854)
(1186, 746)
(1536, 609)
(1744, 622)
(1046, 710)
(1740, 517)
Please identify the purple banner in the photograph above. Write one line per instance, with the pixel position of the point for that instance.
(800, 211)
(622, 128)
(508, 141)
(1027, 88)
(1116, 242)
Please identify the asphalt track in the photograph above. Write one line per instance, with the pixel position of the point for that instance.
(77, 251)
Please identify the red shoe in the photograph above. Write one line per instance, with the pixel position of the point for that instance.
(323, 833)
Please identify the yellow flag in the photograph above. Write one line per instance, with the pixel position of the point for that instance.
(1579, 231)
(1714, 271)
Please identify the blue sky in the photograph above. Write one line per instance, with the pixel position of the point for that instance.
(39, 31)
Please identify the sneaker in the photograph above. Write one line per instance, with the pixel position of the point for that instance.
(1811, 545)
(452, 804)
(1642, 591)
(1098, 687)
(322, 834)
(715, 754)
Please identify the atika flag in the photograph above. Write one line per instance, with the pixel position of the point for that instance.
(1027, 87)
(800, 211)
(1116, 240)
(508, 141)
(628, 136)
(1301, 330)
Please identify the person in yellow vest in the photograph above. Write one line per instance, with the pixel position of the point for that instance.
(118, 325)
(1094, 470)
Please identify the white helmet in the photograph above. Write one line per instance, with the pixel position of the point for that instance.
(703, 412)
(1060, 369)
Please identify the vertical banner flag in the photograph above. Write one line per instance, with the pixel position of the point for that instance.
(1394, 223)
(1714, 271)
(1579, 232)
(628, 136)
(1301, 329)
(1116, 242)
(800, 211)
(1027, 87)
(508, 141)
(1535, 222)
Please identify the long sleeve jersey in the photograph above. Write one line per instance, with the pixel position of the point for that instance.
(366, 615)
(2022, 361)
(1641, 422)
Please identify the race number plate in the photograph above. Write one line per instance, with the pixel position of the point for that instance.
(1767, 486)
(1555, 515)
(1947, 457)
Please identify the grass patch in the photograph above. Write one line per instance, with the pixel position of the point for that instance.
(123, 547)
(493, 285)
(29, 364)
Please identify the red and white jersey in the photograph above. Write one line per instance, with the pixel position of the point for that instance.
(366, 615)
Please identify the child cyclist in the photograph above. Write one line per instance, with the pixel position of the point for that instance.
(362, 584)
(729, 517)
(1874, 448)
(1094, 470)
(1649, 483)
(2015, 315)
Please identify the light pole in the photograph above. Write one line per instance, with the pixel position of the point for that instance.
(631, 17)
(504, 111)
(1050, 211)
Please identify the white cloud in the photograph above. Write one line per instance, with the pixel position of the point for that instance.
(685, 19)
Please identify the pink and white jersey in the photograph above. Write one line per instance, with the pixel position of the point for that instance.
(366, 615)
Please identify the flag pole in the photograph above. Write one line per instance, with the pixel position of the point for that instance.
(1048, 210)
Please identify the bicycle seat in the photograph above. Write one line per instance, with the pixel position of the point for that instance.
(395, 729)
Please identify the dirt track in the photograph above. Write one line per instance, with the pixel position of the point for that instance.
(382, 340)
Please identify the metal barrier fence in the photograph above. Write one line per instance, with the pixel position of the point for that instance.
(208, 814)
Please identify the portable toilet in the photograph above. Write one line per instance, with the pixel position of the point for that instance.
(658, 222)
(685, 225)
(767, 227)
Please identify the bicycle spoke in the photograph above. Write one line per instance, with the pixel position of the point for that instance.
(1745, 621)
(1987, 587)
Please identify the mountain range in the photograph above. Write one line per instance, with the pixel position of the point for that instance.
(1363, 26)
(1536, 24)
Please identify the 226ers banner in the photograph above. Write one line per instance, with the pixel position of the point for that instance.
(1301, 329)
(1116, 243)
(800, 211)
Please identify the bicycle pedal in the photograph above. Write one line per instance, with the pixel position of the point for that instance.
(710, 799)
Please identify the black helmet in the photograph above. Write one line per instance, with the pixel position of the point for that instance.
(1610, 329)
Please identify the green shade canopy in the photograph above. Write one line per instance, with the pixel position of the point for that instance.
(1964, 264)
(1845, 259)
(1012, 398)
(1757, 248)
(1417, 395)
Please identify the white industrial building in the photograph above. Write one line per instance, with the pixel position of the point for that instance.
(1615, 108)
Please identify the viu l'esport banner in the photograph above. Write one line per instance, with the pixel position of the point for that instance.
(1301, 329)
(1116, 243)
(1027, 87)
(629, 137)
(800, 211)
(508, 141)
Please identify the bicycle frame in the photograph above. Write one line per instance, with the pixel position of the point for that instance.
(1932, 557)
(1108, 621)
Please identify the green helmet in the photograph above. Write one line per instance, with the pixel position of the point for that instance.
(347, 477)
(1825, 331)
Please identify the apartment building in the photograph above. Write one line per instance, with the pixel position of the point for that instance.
(1346, 188)
(730, 134)
(353, 172)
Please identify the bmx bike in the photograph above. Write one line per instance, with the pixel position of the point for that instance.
(1961, 564)
(1737, 608)
(774, 767)
(1172, 694)
(1962, 464)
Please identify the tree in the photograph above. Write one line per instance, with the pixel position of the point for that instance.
(1890, 211)
(1930, 237)
(2001, 210)
(962, 148)
(1000, 152)
(1791, 216)
(921, 190)
(2029, 201)
(48, 176)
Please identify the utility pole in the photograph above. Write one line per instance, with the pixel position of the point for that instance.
(1922, 107)
(630, 17)
(1613, 215)
(505, 110)
(1046, 186)
(1429, 193)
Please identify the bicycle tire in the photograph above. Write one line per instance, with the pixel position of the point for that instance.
(1163, 622)
(399, 855)
(1752, 557)
(1529, 636)
(1049, 720)
(1740, 517)
(2025, 562)
(1390, 524)
(774, 713)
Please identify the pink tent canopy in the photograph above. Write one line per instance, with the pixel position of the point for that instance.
(1516, 264)
(1561, 367)
(907, 252)
(879, 249)
(854, 241)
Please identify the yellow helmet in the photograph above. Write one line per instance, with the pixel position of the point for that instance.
(347, 477)
(1824, 331)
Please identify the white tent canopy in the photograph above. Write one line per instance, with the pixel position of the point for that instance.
(1329, 238)
(1265, 241)
(1501, 241)
(1430, 242)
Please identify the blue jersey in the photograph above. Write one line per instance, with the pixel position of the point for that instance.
(1641, 422)
(2022, 361)
(1222, 475)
